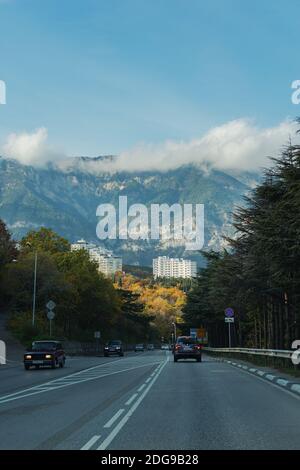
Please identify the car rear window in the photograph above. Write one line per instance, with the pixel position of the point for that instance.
(186, 341)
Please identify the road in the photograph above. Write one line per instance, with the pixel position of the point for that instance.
(144, 401)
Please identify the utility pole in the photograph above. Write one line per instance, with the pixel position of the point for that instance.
(34, 289)
(34, 283)
(175, 331)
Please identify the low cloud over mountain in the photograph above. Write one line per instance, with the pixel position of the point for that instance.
(236, 145)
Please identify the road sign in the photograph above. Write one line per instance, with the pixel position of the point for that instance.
(202, 335)
(50, 305)
(50, 315)
(229, 312)
(229, 320)
(97, 335)
(193, 332)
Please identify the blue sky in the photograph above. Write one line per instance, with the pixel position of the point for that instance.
(104, 75)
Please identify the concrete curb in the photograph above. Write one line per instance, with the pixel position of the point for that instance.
(283, 383)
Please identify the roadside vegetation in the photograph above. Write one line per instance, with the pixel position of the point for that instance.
(131, 309)
(259, 275)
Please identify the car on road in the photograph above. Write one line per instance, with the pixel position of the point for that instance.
(165, 347)
(113, 347)
(44, 353)
(139, 347)
(187, 347)
(150, 347)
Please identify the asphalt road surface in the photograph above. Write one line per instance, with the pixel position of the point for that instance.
(144, 401)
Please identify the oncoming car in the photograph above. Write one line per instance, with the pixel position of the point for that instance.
(44, 353)
(187, 347)
(113, 347)
(139, 347)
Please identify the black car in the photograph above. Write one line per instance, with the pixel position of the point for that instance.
(113, 347)
(187, 347)
(45, 353)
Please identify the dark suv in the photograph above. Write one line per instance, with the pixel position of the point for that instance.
(113, 347)
(187, 347)
(45, 353)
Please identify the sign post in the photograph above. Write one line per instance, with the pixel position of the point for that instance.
(193, 332)
(50, 314)
(229, 318)
(97, 336)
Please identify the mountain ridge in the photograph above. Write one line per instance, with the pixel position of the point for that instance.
(66, 201)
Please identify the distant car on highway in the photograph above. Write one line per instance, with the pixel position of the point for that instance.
(113, 347)
(187, 347)
(150, 347)
(139, 347)
(45, 353)
(165, 347)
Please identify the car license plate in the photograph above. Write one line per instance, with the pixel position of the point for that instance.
(187, 348)
(37, 362)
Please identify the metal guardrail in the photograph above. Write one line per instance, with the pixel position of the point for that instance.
(282, 353)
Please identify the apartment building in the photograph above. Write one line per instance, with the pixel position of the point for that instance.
(163, 266)
(108, 263)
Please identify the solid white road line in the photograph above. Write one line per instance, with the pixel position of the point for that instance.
(124, 420)
(114, 418)
(90, 443)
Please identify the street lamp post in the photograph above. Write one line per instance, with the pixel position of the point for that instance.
(175, 331)
(34, 288)
(34, 284)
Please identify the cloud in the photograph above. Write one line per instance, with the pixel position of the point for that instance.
(235, 145)
(31, 148)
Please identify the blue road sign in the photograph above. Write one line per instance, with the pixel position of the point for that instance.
(229, 312)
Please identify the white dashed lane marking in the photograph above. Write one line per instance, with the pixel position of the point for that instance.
(90, 443)
(114, 418)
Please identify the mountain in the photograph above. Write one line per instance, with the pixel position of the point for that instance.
(65, 197)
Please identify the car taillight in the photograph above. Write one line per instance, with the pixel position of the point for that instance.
(198, 346)
(177, 347)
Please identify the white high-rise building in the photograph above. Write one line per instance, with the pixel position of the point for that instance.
(163, 266)
(82, 244)
(108, 263)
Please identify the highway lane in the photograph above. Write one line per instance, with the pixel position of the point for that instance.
(48, 414)
(146, 401)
